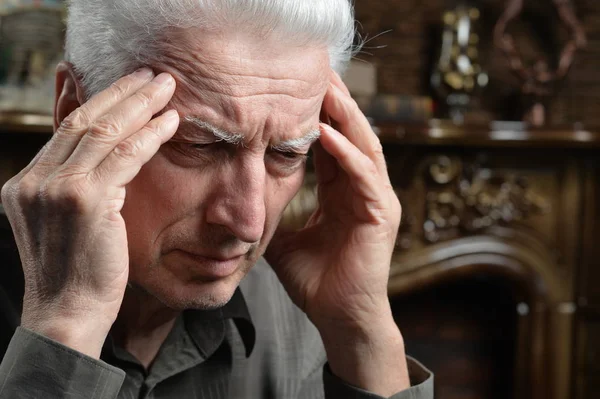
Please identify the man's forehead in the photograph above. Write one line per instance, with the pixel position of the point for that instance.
(243, 88)
(243, 66)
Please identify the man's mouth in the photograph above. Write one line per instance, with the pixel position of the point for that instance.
(213, 265)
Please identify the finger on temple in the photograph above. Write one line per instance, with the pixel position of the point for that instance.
(356, 164)
(121, 121)
(68, 135)
(337, 81)
(127, 158)
(353, 124)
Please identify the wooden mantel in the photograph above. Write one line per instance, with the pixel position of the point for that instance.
(496, 134)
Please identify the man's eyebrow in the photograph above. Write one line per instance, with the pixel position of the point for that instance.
(220, 134)
(297, 144)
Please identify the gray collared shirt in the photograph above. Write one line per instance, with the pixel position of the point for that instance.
(260, 345)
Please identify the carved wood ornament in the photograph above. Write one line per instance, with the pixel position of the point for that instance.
(468, 198)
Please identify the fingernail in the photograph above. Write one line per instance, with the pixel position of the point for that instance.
(163, 79)
(144, 73)
(171, 114)
(169, 127)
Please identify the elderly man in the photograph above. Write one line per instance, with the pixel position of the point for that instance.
(142, 223)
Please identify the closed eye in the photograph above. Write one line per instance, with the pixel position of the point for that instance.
(292, 155)
(198, 146)
(286, 162)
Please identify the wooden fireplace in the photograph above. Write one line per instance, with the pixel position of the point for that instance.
(492, 281)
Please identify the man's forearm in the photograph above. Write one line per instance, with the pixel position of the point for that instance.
(368, 355)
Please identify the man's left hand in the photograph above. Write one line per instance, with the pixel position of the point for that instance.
(336, 268)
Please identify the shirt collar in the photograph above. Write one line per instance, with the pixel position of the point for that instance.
(241, 317)
(236, 309)
(207, 328)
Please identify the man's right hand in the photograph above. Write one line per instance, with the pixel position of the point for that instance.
(64, 209)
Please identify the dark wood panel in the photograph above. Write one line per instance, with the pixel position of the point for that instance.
(466, 333)
(590, 268)
(587, 384)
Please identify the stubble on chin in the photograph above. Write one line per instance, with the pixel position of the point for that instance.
(198, 295)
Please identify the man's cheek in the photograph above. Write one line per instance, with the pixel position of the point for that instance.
(173, 189)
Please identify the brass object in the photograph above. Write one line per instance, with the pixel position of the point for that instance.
(458, 75)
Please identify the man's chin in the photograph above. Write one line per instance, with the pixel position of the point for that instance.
(198, 295)
(177, 285)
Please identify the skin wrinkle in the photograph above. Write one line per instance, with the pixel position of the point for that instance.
(220, 72)
(263, 94)
(237, 83)
(237, 109)
(206, 77)
(234, 88)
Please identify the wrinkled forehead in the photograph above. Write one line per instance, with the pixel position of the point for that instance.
(240, 66)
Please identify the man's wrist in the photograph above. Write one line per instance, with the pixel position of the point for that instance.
(82, 328)
(86, 337)
(368, 354)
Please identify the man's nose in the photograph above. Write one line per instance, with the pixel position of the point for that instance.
(238, 202)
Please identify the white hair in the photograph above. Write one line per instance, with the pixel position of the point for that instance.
(107, 39)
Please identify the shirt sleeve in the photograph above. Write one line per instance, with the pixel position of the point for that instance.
(421, 381)
(35, 367)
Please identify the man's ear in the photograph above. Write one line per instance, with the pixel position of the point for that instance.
(69, 92)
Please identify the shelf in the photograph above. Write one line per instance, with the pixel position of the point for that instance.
(497, 134)
(16, 122)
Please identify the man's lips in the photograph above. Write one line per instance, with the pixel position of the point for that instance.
(211, 266)
(215, 257)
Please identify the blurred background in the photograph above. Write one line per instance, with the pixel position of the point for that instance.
(489, 112)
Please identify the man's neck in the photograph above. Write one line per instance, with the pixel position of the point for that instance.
(143, 325)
